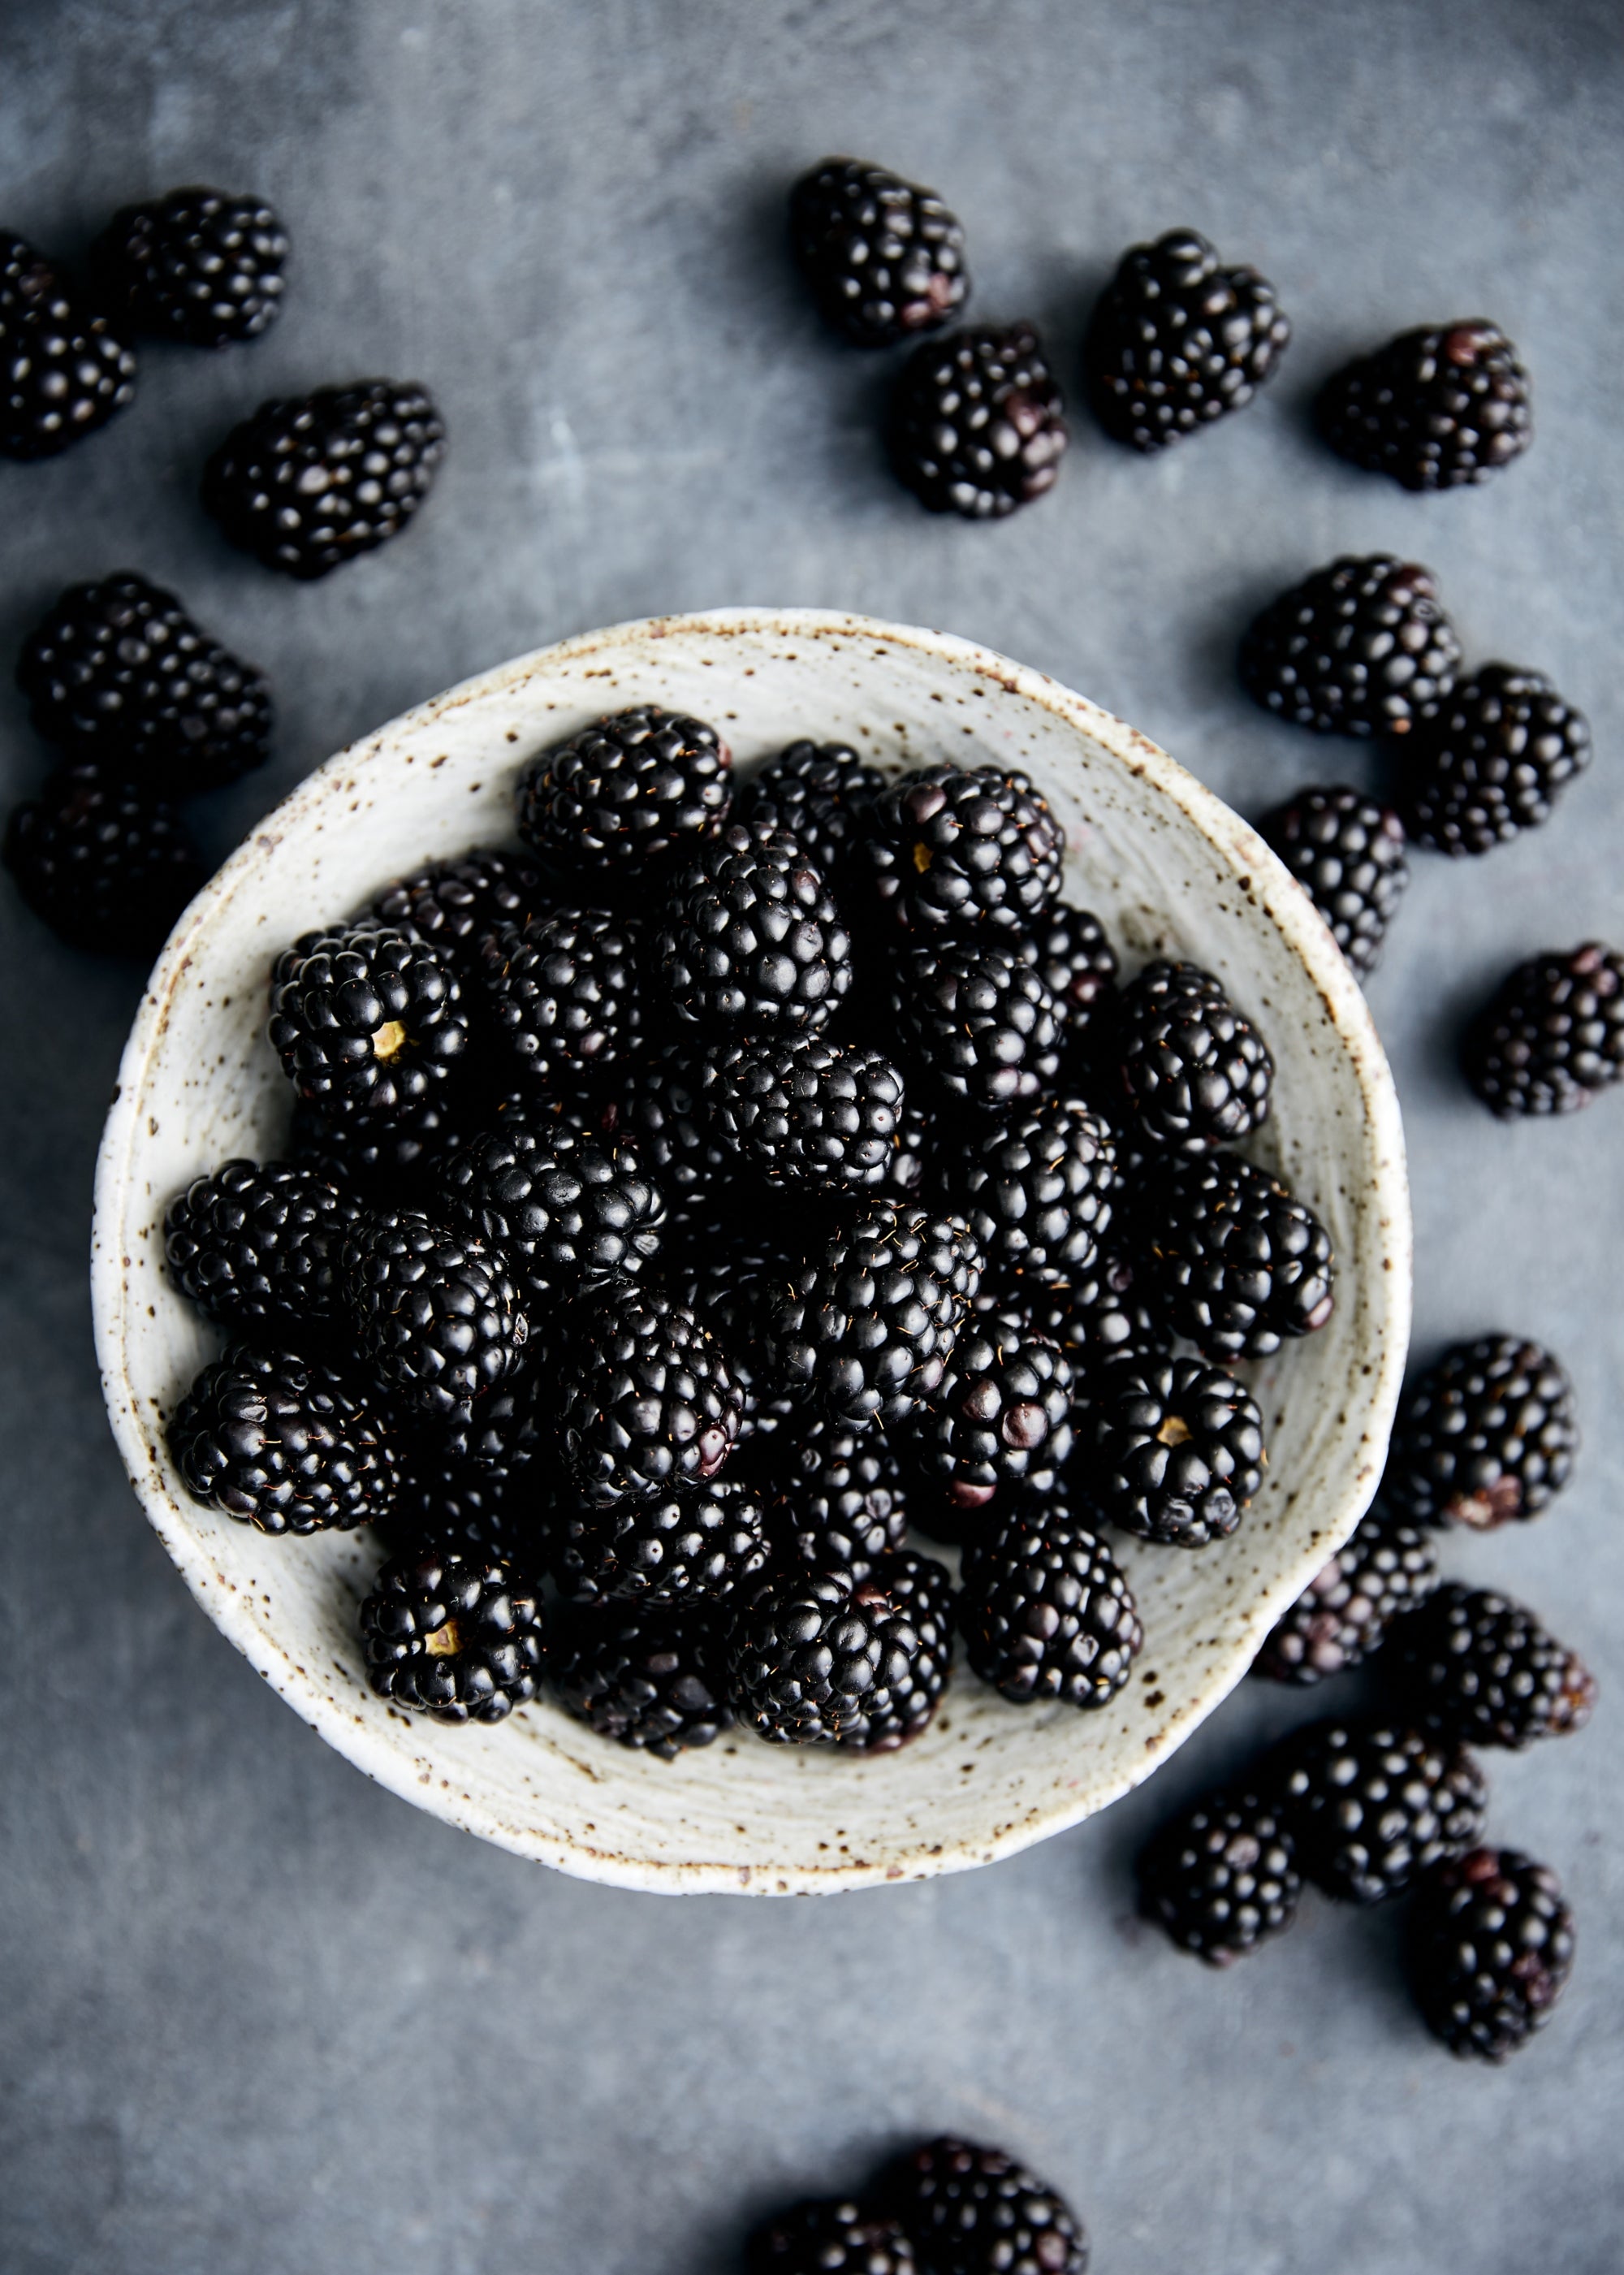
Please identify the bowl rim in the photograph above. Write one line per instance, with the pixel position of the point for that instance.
(1236, 840)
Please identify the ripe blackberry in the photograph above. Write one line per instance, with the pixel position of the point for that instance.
(817, 793)
(459, 1638)
(198, 266)
(1178, 1450)
(749, 940)
(1361, 648)
(625, 792)
(1372, 1804)
(435, 1314)
(1234, 1262)
(1486, 1436)
(1000, 1420)
(1492, 1947)
(283, 1443)
(1552, 1035)
(973, 2210)
(388, 1164)
(1095, 1315)
(1046, 1613)
(730, 1268)
(697, 1546)
(1346, 1609)
(1197, 1074)
(481, 1488)
(661, 1107)
(807, 1114)
(455, 905)
(1039, 1192)
(639, 1674)
(1069, 952)
(982, 1023)
(828, 2237)
(818, 1658)
(1482, 1669)
(1347, 854)
(1175, 341)
(1222, 1877)
(62, 373)
(256, 1245)
(643, 1397)
(839, 1503)
(106, 865)
(310, 482)
(565, 1212)
(118, 673)
(885, 258)
(957, 847)
(977, 423)
(869, 1329)
(1493, 761)
(368, 1024)
(560, 993)
(1433, 408)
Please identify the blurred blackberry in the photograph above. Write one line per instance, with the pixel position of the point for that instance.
(1095, 1315)
(750, 942)
(1361, 648)
(1372, 1804)
(818, 1658)
(643, 1397)
(1482, 1669)
(978, 424)
(1491, 1949)
(884, 258)
(1552, 1035)
(828, 2237)
(1175, 341)
(560, 994)
(1222, 1877)
(1196, 1073)
(1493, 761)
(1069, 952)
(1486, 1436)
(971, 2211)
(1346, 1609)
(106, 865)
(198, 266)
(368, 1024)
(564, 1212)
(958, 848)
(1046, 1613)
(1347, 854)
(1178, 1450)
(1234, 1262)
(62, 373)
(642, 1675)
(453, 906)
(433, 1312)
(283, 1443)
(695, 1547)
(255, 1245)
(817, 793)
(980, 1023)
(458, 1638)
(1038, 1191)
(311, 481)
(807, 1113)
(1434, 408)
(625, 793)
(839, 1502)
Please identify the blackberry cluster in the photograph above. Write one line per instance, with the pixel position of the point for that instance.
(828, 2236)
(436, 1315)
(1492, 1947)
(459, 1638)
(820, 794)
(626, 792)
(841, 1502)
(1484, 1437)
(1435, 409)
(1493, 761)
(1000, 1420)
(1041, 1191)
(869, 1330)
(560, 991)
(1223, 1877)
(675, 1548)
(1552, 1036)
(641, 1675)
(982, 1023)
(1045, 1611)
(1233, 1261)
(63, 371)
(1347, 1609)
(198, 266)
(258, 1247)
(750, 938)
(1178, 1450)
(1347, 854)
(977, 423)
(1360, 648)
(645, 1400)
(455, 909)
(817, 1658)
(953, 849)
(810, 1114)
(1196, 1071)
(285, 1444)
(1483, 1669)
(884, 258)
(566, 1211)
(1373, 1804)
(368, 1024)
(1176, 340)
(948, 2207)
(105, 864)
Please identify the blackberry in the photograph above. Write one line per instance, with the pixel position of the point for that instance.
(256, 1245)
(565, 1212)
(641, 1674)
(459, 1638)
(644, 1399)
(283, 1443)
(482, 1487)
(828, 2237)
(368, 1024)
(1483, 1669)
(1196, 1073)
(807, 1114)
(390, 1164)
(1372, 1805)
(1175, 341)
(839, 1503)
(1001, 1418)
(1046, 1613)
(455, 905)
(118, 673)
(1486, 1436)
(1068, 950)
(198, 266)
(1234, 1262)
(1039, 1192)
(1361, 648)
(662, 1108)
(436, 1315)
(978, 424)
(1222, 1877)
(1347, 854)
(1492, 1947)
(106, 865)
(884, 258)
(63, 373)
(817, 793)
(697, 1546)
(1346, 1609)
(1552, 1036)
(818, 1658)
(750, 939)
(973, 2210)
(982, 1023)
(957, 848)
(310, 482)
(1096, 1315)
(626, 792)
(1493, 762)
(1178, 1452)
(870, 1328)
(1434, 408)
(731, 1269)
(560, 993)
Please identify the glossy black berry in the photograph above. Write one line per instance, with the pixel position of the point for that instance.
(974, 2210)
(1372, 1804)
(642, 1395)
(108, 866)
(817, 793)
(980, 1025)
(1435, 408)
(1039, 1191)
(1196, 1072)
(435, 1312)
(459, 1638)
(869, 1328)
(807, 1114)
(977, 423)
(1493, 762)
(1045, 1611)
(1233, 1261)
(63, 371)
(455, 905)
(564, 1212)
(482, 1488)
(1552, 1036)
(1000, 1420)
(1347, 854)
(642, 1675)
(1491, 1950)
(368, 1024)
(1068, 950)
(1361, 648)
(828, 2236)
(819, 1658)
(560, 995)
(1178, 1450)
(255, 1245)
(885, 258)
(1483, 1669)
(1177, 340)
(838, 1498)
(957, 849)
(625, 793)
(1095, 1315)
(1485, 1437)
(1346, 1611)
(697, 1545)
(1222, 1877)
(750, 942)
(284, 1443)
(199, 265)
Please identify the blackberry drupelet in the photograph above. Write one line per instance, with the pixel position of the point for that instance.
(1234, 1262)
(1095, 1315)
(643, 1397)
(807, 1114)
(750, 942)
(1552, 1035)
(459, 1638)
(311, 481)
(1178, 1450)
(1491, 1949)
(198, 266)
(1493, 762)
(1196, 1073)
(1361, 648)
(982, 1024)
(368, 1024)
(1068, 950)
(560, 994)
(1486, 1436)
(564, 1212)
(1176, 340)
(957, 848)
(978, 424)
(1482, 1669)
(1222, 1877)
(817, 793)
(284, 1443)
(885, 258)
(819, 1659)
(1000, 1421)
(1039, 1192)
(106, 865)
(1372, 1804)
(433, 1312)
(639, 1674)
(455, 905)
(694, 1546)
(839, 1503)
(255, 1245)
(1346, 1609)
(625, 793)
(118, 673)
(973, 2211)
(1434, 408)
(1347, 854)
(62, 373)
(1045, 1611)
(828, 2237)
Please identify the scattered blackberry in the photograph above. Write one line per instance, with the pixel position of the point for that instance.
(256, 1245)
(1433, 408)
(62, 373)
(749, 940)
(626, 792)
(1492, 1947)
(1347, 854)
(1483, 1669)
(1359, 648)
(818, 1658)
(561, 993)
(283, 1443)
(118, 673)
(839, 1503)
(1037, 1192)
(1493, 761)
(807, 1114)
(1345, 1612)
(644, 1399)
(368, 1024)
(1233, 1261)
(884, 258)
(435, 1314)
(971, 2211)
(1045, 1611)
(870, 1327)
(978, 424)
(197, 266)
(1221, 1878)
(1196, 1073)
(1096, 1315)
(1001, 1419)
(641, 1674)
(678, 1548)
(1068, 950)
(565, 1212)
(106, 865)
(662, 1108)
(1178, 1450)
(1552, 1035)
(983, 1023)
(828, 2237)
(1175, 341)
(455, 905)
(817, 793)
(955, 848)
(458, 1638)
(1373, 1804)
(1486, 1436)
(310, 482)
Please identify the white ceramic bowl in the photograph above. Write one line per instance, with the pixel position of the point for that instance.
(1166, 865)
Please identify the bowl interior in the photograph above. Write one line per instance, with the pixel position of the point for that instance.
(1166, 867)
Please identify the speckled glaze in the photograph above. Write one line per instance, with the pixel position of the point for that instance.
(1169, 868)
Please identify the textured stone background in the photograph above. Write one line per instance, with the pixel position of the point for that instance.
(262, 2017)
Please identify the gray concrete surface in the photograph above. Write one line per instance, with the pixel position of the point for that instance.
(258, 2015)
